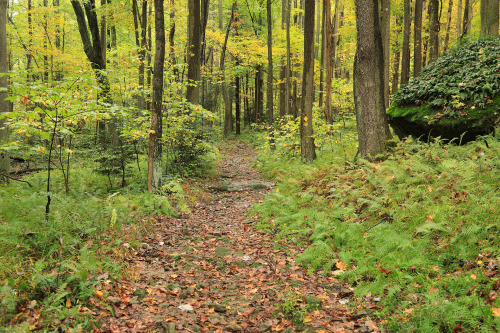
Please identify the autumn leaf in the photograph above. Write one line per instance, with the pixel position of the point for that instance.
(246, 227)
(98, 294)
(341, 265)
(307, 319)
(41, 149)
(496, 312)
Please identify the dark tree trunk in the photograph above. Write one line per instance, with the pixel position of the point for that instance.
(417, 37)
(307, 147)
(194, 51)
(270, 106)
(448, 25)
(433, 30)
(155, 135)
(405, 64)
(4, 105)
(328, 61)
(489, 18)
(397, 57)
(373, 130)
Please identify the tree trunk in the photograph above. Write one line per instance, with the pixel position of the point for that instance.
(489, 18)
(155, 134)
(433, 30)
(385, 27)
(4, 105)
(307, 148)
(448, 25)
(270, 107)
(467, 18)
(194, 51)
(397, 56)
(373, 130)
(288, 60)
(171, 41)
(459, 19)
(417, 37)
(328, 61)
(405, 64)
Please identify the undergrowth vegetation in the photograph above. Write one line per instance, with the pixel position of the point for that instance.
(52, 264)
(419, 230)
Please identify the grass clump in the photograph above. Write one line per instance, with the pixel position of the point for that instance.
(418, 230)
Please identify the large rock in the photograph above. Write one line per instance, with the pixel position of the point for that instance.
(457, 96)
(424, 122)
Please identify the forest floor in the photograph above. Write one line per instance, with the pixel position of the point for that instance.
(215, 271)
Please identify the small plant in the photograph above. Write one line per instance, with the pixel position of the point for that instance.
(293, 307)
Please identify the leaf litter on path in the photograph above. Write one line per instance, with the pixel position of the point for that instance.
(213, 271)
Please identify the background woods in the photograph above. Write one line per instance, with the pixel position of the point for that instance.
(113, 113)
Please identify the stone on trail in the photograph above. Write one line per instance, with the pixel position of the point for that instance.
(265, 327)
(234, 328)
(220, 308)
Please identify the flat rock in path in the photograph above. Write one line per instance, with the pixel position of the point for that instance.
(233, 186)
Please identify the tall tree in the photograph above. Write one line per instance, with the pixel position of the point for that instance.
(327, 10)
(385, 28)
(4, 105)
(307, 149)
(405, 63)
(417, 38)
(373, 130)
(489, 17)
(141, 26)
(270, 107)
(448, 25)
(155, 134)
(288, 59)
(433, 30)
(194, 51)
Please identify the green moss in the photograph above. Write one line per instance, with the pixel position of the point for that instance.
(426, 113)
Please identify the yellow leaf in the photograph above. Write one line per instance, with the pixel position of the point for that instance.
(68, 303)
(473, 276)
(480, 263)
(307, 319)
(98, 294)
(41, 149)
(305, 118)
(277, 190)
(496, 312)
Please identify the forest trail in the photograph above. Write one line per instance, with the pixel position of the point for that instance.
(214, 271)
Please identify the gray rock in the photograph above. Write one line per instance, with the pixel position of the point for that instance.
(168, 328)
(266, 327)
(139, 293)
(114, 300)
(220, 308)
(234, 327)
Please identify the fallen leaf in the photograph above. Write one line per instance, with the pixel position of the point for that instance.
(496, 312)
(341, 265)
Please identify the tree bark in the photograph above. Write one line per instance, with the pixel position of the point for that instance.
(373, 130)
(459, 19)
(448, 25)
(155, 134)
(385, 28)
(466, 25)
(328, 61)
(194, 51)
(433, 30)
(307, 149)
(270, 106)
(489, 18)
(405, 64)
(4, 105)
(417, 38)
(288, 59)
(397, 57)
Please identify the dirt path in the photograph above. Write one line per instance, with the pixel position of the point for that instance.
(215, 272)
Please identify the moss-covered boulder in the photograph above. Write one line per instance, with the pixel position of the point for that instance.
(457, 96)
